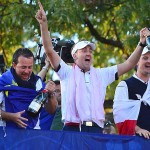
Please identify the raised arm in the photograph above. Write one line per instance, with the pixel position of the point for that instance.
(44, 69)
(134, 58)
(51, 54)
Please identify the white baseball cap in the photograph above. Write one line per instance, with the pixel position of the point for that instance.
(145, 50)
(81, 45)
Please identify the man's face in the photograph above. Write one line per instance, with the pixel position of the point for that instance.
(144, 64)
(24, 67)
(84, 58)
(58, 93)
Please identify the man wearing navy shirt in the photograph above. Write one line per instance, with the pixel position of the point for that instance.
(131, 101)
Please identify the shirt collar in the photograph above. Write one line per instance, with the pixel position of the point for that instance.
(135, 76)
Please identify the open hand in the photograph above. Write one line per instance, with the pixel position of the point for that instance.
(142, 132)
(18, 119)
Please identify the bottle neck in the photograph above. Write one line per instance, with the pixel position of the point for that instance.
(45, 91)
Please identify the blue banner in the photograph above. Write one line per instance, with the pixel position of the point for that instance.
(20, 139)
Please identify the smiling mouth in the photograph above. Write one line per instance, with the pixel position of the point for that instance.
(87, 60)
(25, 77)
(147, 66)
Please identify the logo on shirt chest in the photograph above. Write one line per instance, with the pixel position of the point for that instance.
(138, 96)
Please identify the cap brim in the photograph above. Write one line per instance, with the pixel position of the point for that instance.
(81, 45)
(145, 50)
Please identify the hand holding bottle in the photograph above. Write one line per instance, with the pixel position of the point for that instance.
(52, 103)
(50, 87)
(143, 34)
(39, 101)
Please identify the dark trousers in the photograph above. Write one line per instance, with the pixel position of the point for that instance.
(71, 128)
(90, 129)
(84, 128)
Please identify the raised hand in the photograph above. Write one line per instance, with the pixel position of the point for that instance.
(53, 57)
(41, 15)
(143, 34)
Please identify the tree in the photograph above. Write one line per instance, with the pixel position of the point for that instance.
(113, 25)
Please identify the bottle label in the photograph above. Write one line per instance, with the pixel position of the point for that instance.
(34, 105)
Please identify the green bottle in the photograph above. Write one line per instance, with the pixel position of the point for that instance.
(37, 103)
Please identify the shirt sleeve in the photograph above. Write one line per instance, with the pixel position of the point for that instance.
(1, 97)
(108, 74)
(2, 101)
(121, 92)
(64, 70)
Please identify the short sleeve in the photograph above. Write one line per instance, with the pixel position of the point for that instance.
(121, 91)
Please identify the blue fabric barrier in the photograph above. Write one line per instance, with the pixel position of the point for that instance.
(20, 139)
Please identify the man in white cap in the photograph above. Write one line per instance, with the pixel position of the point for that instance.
(132, 100)
(83, 87)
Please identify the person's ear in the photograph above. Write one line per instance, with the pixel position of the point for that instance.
(14, 65)
(74, 56)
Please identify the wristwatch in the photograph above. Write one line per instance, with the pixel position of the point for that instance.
(46, 68)
(51, 95)
(141, 44)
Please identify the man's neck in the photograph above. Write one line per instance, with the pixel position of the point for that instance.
(145, 78)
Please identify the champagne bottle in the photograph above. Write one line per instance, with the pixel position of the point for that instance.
(37, 103)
